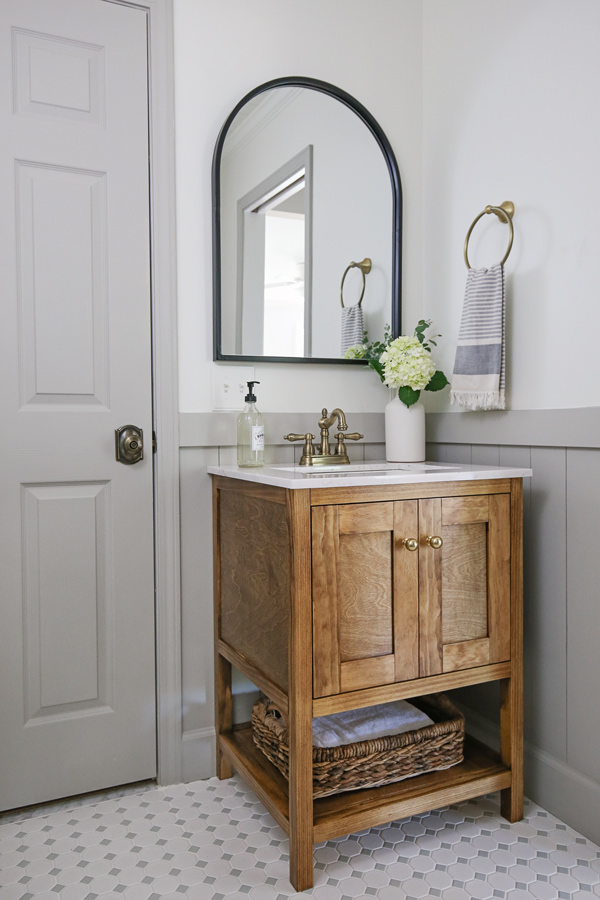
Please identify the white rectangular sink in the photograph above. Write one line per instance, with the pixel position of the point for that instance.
(375, 468)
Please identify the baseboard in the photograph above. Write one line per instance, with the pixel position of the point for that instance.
(550, 782)
(199, 746)
(198, 754)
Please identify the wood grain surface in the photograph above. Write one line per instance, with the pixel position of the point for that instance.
(358, 699)
(255, 581)
(511, 693)
(464, 582)
(365, 590)
(366, 517)
(326, 648)
(430, 589)
(406, 592)
(375, 493)
(365, 673)
(499, 577)
(466, 655)
(301, 691)
(463, 510)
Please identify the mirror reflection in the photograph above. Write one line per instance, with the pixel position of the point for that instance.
(304, 189)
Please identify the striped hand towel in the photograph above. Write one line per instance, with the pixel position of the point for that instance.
(478, 379)
(352, 326)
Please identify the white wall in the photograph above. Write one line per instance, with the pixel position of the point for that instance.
(510, 98)
(224, 49)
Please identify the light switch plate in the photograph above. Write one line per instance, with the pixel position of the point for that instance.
(229, 386)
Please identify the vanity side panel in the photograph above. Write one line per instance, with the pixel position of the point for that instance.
(255, 581)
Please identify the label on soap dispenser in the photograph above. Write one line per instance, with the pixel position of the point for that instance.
(258, 437)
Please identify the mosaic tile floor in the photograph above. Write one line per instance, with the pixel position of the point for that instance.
(211, 840)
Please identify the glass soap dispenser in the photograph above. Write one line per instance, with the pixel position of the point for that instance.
(250, 432)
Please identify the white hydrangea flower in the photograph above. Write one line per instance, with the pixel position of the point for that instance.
(407, 364)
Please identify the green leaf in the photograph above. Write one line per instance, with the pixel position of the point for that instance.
(437, 382)
(375, 364)
(408, 395)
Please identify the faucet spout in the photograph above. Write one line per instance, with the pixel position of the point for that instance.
(327, 421)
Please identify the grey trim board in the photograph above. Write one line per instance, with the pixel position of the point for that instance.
(529, 427)
(218, 429)
(517, 427)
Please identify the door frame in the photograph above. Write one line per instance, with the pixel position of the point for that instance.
(165, 394)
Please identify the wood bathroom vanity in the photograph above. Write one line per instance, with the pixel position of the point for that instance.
(335, 591)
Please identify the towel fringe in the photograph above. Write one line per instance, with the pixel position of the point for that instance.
(478, 399)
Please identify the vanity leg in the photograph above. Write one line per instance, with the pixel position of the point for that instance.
(511, 737)
(300, 694)
(511, 689)
(223, 711)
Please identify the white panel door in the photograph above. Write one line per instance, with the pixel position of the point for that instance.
(77, 675)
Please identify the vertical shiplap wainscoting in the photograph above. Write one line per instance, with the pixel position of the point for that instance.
(562, 595)
(562, 584)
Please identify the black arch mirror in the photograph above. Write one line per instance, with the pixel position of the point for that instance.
(304, 183)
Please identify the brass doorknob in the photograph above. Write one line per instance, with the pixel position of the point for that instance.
(434, 541)
(129, 444)
(410, 544)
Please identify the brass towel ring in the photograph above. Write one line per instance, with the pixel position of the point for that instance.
(365, 268)
(505, 212)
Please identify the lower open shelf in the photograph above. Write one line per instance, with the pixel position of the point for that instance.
(481, 772)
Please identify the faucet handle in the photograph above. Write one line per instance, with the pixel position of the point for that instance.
(308, 451)
(353, 436)
(298, 437)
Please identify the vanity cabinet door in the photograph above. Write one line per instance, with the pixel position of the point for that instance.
(464, 586)
(365, 596)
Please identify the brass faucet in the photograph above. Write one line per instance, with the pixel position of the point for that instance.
(321, 454)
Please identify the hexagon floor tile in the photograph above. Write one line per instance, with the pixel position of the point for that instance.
(213, 840)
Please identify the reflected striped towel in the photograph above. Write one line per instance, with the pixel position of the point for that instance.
(478, 379)
(352, 326)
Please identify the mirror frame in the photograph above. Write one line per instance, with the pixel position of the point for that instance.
(394, 173)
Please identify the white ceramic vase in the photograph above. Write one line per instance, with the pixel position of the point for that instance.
(404, 431)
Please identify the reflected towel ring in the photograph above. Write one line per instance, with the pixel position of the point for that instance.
(505, 212)
(365, 268)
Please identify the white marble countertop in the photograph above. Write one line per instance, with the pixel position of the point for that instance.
(357, 474)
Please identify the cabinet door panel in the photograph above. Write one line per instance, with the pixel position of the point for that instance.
(464, 586)
(464, 583)
(475, 581)
(365, 596)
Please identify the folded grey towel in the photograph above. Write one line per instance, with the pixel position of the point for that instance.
(367, 724)
(352, 326)
(478, 379)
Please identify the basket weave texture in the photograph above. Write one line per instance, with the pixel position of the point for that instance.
(370, 763)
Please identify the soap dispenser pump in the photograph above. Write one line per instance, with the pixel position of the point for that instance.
(250, 432)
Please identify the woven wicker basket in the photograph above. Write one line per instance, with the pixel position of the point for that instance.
(366, 764)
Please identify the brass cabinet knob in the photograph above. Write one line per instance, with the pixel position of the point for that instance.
(410, 544)
(434, 541)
